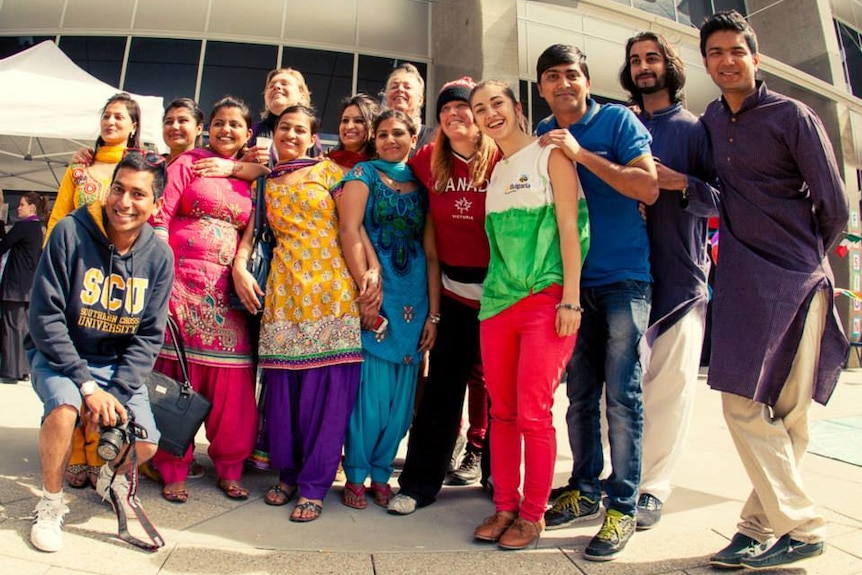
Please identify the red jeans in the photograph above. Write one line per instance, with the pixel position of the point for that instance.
(524, 358)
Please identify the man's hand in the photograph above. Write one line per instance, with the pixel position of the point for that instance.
(669, 179)
(564, 140)
(104, 409)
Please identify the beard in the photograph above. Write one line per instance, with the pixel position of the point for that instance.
(659, 85)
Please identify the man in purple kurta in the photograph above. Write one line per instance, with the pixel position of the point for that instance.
(777, 341)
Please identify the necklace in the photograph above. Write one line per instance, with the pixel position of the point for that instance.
(394, 184)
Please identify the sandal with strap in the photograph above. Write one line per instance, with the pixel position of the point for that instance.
(382, 493)
(175, 492)
(306, 511)
(278, 495)
(232, 489)
(353, 495)
(76, 476)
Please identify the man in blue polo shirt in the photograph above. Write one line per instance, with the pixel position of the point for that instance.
(615, 166)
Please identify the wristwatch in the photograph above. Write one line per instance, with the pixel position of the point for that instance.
(88, 387)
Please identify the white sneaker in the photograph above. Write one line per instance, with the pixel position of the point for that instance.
(402, 504)
(46, 534)
(120, 486)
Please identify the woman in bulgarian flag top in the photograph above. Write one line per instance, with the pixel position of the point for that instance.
(530, 310)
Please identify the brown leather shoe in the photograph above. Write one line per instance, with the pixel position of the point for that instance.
(493, 527)
(522, 534)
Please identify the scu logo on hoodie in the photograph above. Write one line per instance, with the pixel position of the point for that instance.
(105, 296)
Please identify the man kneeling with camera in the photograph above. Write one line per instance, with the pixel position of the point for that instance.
(97, 320)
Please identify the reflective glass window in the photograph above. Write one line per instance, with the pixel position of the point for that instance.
(100, 56)
(850, 43)
(329, 76)
(163, 67)
(10, 45)
(238, 70)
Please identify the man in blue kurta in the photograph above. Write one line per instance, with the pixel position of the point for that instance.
(777, 341)
(615, 167)
(654, 76)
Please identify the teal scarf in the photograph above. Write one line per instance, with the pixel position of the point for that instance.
(398, 171)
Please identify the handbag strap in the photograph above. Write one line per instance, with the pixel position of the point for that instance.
(260, 223)
(180, 348)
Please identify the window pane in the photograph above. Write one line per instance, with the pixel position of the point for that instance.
(663, 8)
(540, 109)
(329, 77)
(100, 56)
(238, 70)
(373, 72)
(851, 44)
(162, 67)
(10, 45)
(721, 5)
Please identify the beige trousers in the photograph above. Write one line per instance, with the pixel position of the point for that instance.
(772, 442)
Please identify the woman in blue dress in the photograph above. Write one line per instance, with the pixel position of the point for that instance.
(389, 247)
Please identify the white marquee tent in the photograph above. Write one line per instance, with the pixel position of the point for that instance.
(49, 107)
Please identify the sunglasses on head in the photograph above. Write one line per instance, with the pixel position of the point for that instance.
(153, 159)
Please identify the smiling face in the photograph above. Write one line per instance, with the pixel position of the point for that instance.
(352, 129)
(565, 88)
(129, 204)
(456, 121)
(293, 135)
(494, 111)
(404, 93)
(228, 131)
(281, 92)
(731, 64)
(180, 130)
(647, 67)
(393, 140)
(116, 124)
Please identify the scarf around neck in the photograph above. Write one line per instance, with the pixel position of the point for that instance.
(291, 166)
(346, 158)
(398, 171)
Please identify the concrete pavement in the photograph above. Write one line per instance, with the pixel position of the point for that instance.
(213, 535)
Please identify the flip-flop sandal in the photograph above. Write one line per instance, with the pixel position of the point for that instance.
(276, 496)
(76, 476)
(175, 495)
(233, 490)
(299, 512)
(196, 470)
(353, 495)
(382, 493)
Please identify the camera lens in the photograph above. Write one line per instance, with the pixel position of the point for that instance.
(111, 443)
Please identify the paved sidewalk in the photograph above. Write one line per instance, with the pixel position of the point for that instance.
(213, 535)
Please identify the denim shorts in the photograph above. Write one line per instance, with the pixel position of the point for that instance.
(56, 389)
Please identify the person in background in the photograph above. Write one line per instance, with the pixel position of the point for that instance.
(23, 244)
(654, 76)
(389, 245)
(202, 219)
(455, 169)
(284, 87)
(310, 346)
(85, 183)
(405, 91)
(530, 311)
(777, 341)
(355, 141)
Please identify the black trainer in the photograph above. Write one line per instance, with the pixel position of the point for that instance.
(649, 511)
(455, 458)
(470, 470)
(784, 552)
(571, 507)
(611, 539)
(741, 546)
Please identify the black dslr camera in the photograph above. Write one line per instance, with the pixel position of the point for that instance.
(112, 439)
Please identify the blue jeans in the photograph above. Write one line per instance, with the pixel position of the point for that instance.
(606, 353)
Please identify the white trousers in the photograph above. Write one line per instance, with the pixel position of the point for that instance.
(669, 385)
(772, 442)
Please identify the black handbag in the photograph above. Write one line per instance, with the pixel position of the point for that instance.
(262, 247)
(178, 409)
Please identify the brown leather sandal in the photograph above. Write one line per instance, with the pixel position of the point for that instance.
(232, 489)
(306, 511)
(175, 492)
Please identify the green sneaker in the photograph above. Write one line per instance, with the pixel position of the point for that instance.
(571, 507)
(616, 531)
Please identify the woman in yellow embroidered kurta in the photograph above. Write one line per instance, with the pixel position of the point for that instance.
(310, 347)
(83, 185)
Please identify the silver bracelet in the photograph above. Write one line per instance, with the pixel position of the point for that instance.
(571, 306)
